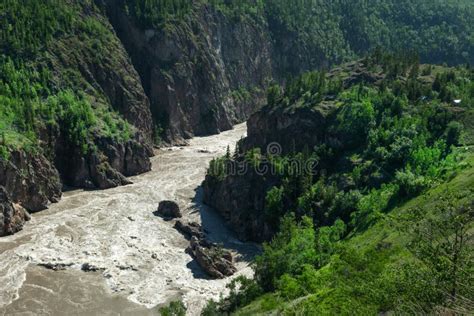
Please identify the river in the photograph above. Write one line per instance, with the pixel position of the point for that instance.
(140, 259)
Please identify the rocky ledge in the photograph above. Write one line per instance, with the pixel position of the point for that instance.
(34, 181)
(12, 216)
(240, 198)
(104, 168)
(216, 261)
(212, 258)
(30, 180)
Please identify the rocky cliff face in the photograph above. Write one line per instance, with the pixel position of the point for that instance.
(92, 60)
(96, 62)
(107, 74)
(289, 130)
(202, 74)
(240, 197)
(12, 216)
(105, 168)
(30, 179)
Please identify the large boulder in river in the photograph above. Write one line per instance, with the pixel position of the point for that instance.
(12, 216)
(190, 230)
(213, 259)
(168, 210)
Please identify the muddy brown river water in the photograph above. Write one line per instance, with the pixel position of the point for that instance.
(140, 259)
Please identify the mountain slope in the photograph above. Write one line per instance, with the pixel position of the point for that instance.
(86, 87)
(360, 179)
(73, 109)
(369, 274)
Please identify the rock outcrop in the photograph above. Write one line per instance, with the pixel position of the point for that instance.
(105, 168)
(289, 129)
(30, 180)
(240, 197)
(12, 216)
(190, 230)
(214, 260)
(168, 210)
(202, 74)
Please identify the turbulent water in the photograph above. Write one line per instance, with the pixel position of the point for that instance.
(140, 259)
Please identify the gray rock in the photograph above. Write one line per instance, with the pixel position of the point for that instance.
(207, 56)
(168, 210)
(213, 259)
(190, 230)
(12, 216)
(30, 180)
(240, 199)
(55, 266)
(87, 267)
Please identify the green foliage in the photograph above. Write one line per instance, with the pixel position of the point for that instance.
(211, 309)
(76, 118)
(309, 89)
(31, 99)
(28, 105)
(399, 139)
(241, 95)
(158, 135)
(356, 119)
(331, 31)
(154, 13)
(242, 292)
(218, 168)
(26, 26)
(240, 9)
(289, 251)
(442, 244)
(274, 205)
(294, 253)
(253, 157)
(175, 308)
(453, 133)
(371, 206)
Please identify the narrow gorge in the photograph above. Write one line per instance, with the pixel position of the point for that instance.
(122, 123)
(135, 260)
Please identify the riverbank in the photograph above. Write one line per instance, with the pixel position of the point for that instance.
(139, 259)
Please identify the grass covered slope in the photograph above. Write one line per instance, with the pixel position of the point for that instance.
(383, 222)
(381, 269)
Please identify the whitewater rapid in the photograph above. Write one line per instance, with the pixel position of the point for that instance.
(140, 259)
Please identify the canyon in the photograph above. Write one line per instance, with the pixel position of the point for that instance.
(135, 260)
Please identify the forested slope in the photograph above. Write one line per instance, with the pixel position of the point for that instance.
(73, 111)
(87, 87)
(361, 179)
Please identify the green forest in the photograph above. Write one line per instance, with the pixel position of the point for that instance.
(324, 31)
(382, 224)
(386, 222)
(34, 97)
(440, 31)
